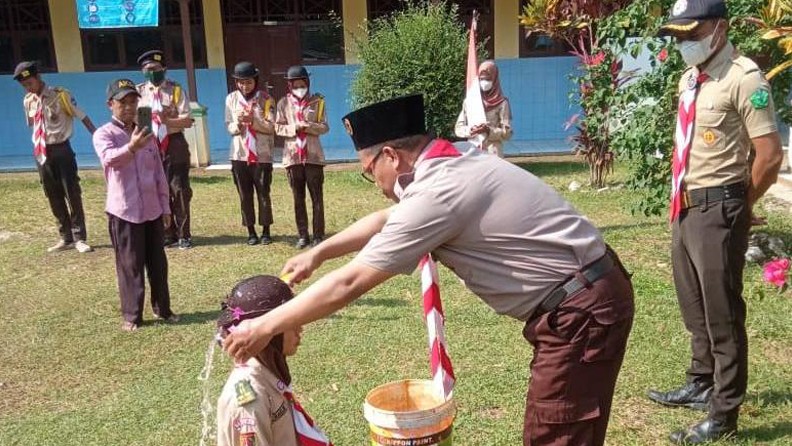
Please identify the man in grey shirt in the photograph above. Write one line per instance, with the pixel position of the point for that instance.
(514, 241)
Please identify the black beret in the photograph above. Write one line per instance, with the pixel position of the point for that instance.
(25, 70)
(687, 15)
(385, 121)
(151, 56)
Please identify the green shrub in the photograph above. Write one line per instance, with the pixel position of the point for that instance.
(421, 49)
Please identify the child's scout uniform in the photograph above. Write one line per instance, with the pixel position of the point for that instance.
(252, 410)
(51, 117)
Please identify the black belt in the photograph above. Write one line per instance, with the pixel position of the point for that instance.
(704, 195)
(579, 281)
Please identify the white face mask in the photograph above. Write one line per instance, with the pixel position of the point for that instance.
(485, 85)
(696, 52)
(300, 92)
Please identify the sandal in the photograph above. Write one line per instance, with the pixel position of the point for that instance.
(128, 326)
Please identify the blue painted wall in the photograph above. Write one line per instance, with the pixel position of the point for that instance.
(537, 89)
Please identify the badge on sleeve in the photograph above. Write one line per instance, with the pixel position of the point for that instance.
(244, 392)
(760, 99)
(247, 439)
(709, 137)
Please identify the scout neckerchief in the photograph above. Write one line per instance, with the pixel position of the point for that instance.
(250, 138)
(442, 370)
(308, 434)
(300, 106)
(39, 133)
(683, 138)
(157, 127)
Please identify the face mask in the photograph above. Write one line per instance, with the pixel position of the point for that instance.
(300, 92)
(155, 77)
(695, 53)
(485, 85)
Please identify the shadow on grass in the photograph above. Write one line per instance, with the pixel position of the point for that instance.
(199, 317)
(642, 225)
(210, 179)
(769, 432)
(555, 168)
(381, 302)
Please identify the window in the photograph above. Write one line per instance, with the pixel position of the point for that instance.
(486, 24)
(25, 34)
(540, 45)
(318, 23)
(118, 49)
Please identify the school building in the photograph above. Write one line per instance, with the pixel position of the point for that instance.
(273, 34)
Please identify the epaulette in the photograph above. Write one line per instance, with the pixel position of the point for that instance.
(746, 64)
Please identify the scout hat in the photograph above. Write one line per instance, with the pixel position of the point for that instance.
(245, 70)
(120, 88)
(151, 56)
(253, 297)
(296, 72)
(687, 15)
(25, 70)
(385, 121)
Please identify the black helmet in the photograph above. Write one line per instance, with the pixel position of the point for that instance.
(296, 72)
(253, 297)
(245, 70)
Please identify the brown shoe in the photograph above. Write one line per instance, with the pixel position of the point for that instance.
(128, 326)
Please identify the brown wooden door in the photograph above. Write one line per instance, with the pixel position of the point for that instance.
(272, 48)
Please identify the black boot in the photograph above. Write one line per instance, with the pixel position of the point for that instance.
(711, 429)
(265, 236)
(303, 242)
(316, 240)
(252, 237)
(695, 395)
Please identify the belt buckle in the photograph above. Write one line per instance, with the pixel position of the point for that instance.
(685, 198)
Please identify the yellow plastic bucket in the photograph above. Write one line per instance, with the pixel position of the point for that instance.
(409, 413)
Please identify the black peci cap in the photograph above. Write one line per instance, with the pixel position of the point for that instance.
(151, 56)
(25, 70)
(687, 15)
(385, 121)
(245, 70)
(296, 72)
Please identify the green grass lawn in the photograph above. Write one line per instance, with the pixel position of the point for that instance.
(69, 376)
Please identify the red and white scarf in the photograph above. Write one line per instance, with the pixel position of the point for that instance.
(250, 138)
(442, 370)
(157, 127)
(39, 132)
(683, 140)
(308, 434)
(300, 107)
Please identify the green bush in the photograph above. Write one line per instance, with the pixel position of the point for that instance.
(421, 49)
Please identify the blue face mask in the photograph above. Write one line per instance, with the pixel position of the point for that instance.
(155, 77)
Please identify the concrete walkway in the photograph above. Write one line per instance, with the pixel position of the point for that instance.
(782, 191)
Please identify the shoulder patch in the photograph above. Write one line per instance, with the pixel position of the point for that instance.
(760, 99)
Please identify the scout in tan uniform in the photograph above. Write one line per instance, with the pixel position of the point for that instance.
(250, 119)
(170, 109)
(496, 107)
(530, 256)
(50, 111)
(301, 119)
(256, 406)
(716, 193)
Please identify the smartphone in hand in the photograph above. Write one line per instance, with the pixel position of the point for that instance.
(144, 117)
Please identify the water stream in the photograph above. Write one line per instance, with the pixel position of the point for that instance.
(207, 402)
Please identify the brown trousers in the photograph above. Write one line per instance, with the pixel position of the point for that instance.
(61, 186)
(312, 176)
(578, 351)
(176, 163)
(252, 179)
(139, 248)
(708, 253)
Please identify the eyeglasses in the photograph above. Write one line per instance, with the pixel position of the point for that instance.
(367, 173)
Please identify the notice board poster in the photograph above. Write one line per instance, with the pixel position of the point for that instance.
(117, 13)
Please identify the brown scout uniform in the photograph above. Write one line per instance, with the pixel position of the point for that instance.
(498, 118)
(265, 421)
(176, 160)
(732, 106)
(514, 251)
(310, 174)
(58, 175)
(256, 177)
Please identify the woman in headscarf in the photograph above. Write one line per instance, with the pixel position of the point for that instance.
(250, 119)
(257, 406)
(496, 107)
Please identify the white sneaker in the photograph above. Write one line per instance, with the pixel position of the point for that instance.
(82, 247)
(61, 246)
